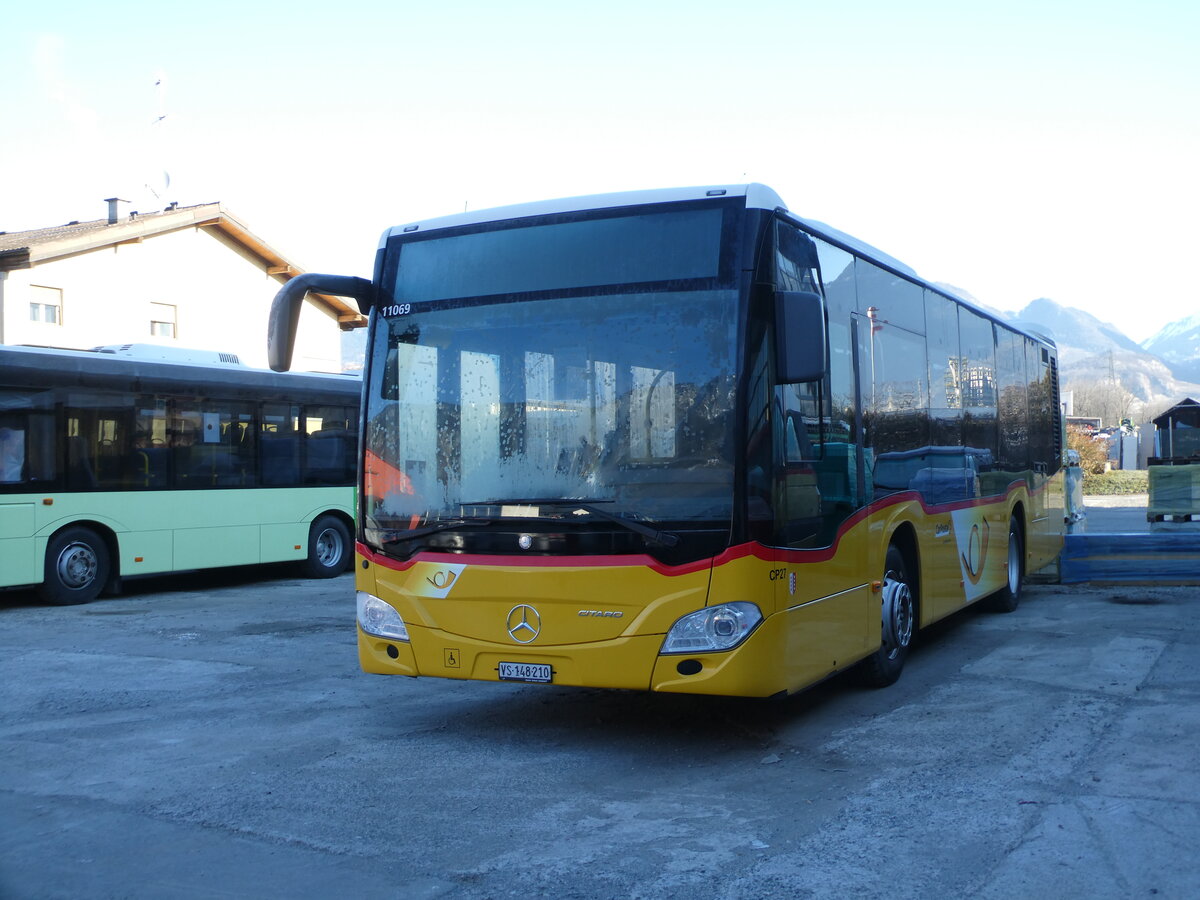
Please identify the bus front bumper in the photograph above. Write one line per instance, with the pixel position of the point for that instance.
(629, 663)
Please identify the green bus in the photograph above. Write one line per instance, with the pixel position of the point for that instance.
(113, 466)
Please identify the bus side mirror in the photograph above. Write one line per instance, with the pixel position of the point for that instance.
(799, 337)
(285, 310)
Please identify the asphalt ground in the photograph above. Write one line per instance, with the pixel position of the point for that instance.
(1116, 514)
(211, 735)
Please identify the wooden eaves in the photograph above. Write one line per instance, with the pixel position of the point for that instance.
(23, 250)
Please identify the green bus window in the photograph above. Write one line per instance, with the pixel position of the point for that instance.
(28, 449)
(237, 461)
(99, 440)
(330, 444)
(213, 444)
(279, 445)
(183, 432)
(150, 454)
(12, 450)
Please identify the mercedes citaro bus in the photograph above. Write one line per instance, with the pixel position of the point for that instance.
(681, 440)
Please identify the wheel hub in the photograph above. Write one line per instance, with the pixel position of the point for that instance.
(77, 565)
(897, 614)
(329, 547)
(1014, 565)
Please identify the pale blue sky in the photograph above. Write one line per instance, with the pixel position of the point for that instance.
(1016, 150)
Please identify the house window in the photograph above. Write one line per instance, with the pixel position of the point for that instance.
(163, 320)
(45, 304)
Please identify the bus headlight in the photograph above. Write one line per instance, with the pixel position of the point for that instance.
(379, 618)
(713, 628)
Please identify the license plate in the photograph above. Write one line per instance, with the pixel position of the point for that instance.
(513, 671)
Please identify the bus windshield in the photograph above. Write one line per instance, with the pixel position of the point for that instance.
(508, 405)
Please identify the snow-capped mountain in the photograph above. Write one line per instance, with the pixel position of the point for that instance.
(1091, 352)
(1178, 344)
(1078, 333)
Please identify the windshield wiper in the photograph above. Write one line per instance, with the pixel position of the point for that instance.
(396, 537)
(654, 535)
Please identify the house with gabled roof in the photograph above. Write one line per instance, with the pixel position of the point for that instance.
(187, 277)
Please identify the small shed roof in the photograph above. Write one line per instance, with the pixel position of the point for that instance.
(1186, 412)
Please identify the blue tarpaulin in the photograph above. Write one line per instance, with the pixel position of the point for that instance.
(1133, 558)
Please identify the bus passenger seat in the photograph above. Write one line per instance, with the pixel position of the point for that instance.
(80, 475)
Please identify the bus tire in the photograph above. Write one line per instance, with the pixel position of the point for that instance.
(1008, 598)
(329, 548)
(898, 618)
(77, 567)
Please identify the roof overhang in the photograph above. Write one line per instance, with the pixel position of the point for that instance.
(218, 222)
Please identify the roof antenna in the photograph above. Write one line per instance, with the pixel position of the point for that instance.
(159, 185)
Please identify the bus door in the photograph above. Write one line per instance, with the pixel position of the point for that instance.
(821, 579)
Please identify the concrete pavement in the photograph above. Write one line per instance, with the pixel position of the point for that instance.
(211, 736)
(1116, 513)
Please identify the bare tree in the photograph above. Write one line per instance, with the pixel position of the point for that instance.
(1107, 400)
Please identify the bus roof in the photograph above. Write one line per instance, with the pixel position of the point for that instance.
(165, 353)
(51, 367)
(757, 196)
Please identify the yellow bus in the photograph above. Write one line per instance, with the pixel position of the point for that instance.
(682, 440)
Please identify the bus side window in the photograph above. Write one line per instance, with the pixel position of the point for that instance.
(279, 445)
(151, 458)
(152, 465)
(81, 475)
(280, 460)
(12, 451)
(331, 445)
(238, 465)
(841, 457)
(798, 504)
(795, 260)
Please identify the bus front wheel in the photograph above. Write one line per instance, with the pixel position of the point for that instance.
(77, 567)
(329, 548)
(898, 617)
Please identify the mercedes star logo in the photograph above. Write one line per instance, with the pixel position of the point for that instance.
(524, 624)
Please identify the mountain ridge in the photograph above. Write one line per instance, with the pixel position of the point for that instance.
(1178, 344)
(1158, 372)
